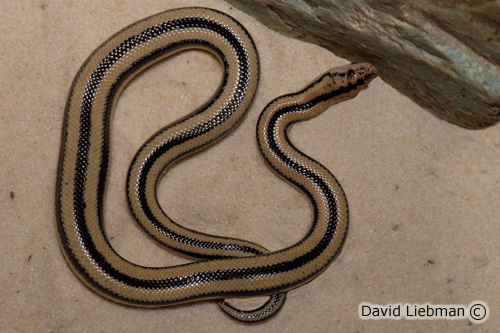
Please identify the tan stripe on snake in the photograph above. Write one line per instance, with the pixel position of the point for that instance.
(227, 267)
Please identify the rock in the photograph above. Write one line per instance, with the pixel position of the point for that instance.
(443, 54)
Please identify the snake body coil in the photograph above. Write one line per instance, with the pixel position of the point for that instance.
(231, 267)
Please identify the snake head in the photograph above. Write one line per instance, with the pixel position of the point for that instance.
(345, 82)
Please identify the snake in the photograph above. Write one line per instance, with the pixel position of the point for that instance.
(222, 267)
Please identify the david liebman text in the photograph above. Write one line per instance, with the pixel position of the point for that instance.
(412, 311)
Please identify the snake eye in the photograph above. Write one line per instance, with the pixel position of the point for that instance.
(351, 73)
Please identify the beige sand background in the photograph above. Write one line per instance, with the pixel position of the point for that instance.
(423, 194)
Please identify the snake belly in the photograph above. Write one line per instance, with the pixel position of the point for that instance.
(231, 267)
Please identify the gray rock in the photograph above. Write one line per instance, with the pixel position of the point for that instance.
(443, 54)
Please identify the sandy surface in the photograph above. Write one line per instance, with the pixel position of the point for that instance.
(423, 194)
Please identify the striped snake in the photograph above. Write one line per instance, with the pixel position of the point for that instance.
(227, 267)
